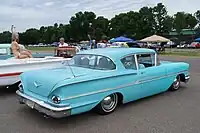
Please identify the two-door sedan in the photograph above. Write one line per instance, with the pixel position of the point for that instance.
(100, 79)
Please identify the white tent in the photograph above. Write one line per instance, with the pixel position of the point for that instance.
(155, 38)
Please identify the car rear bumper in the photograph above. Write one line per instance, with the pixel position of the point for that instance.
(187, 78)
(42, 107)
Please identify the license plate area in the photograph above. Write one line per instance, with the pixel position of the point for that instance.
(30, 103)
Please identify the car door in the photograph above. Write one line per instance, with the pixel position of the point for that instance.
(132, 91)
(152, 76)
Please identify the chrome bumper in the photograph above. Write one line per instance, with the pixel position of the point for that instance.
(187, 78)
(42, 107)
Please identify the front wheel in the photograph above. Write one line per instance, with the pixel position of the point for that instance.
(107, 105)
(176, 84)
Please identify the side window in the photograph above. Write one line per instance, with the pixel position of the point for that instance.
(146, 60)
(129, 62)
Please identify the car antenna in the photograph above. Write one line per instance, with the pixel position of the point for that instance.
(70, 69)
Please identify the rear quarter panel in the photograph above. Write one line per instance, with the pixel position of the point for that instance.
(86, 95)
(174, 69)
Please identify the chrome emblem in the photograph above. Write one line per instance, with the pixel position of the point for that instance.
(37, 84)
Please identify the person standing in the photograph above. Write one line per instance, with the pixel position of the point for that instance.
(93, 44)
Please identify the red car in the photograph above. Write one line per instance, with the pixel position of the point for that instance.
(196, 44)
(66, 51)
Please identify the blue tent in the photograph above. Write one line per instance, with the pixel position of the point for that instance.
(121, 39)
(198, 39)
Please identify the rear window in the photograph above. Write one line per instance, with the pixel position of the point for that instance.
(92, 62)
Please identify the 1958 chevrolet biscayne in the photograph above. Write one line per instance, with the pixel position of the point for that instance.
(100, 79)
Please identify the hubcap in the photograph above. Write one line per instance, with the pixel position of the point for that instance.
(176, 83)
(109, 103)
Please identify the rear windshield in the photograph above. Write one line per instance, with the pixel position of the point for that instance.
(92, 62)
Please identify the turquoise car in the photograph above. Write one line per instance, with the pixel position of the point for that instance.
(100, 79)
(6, 52)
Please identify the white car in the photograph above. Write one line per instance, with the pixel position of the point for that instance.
(10, 69)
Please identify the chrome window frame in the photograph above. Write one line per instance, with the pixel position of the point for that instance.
(128, 56)
(150, 53)
(105, 57)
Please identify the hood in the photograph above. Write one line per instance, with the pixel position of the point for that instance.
(42, 81)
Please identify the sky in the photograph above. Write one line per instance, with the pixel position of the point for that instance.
(25, 14)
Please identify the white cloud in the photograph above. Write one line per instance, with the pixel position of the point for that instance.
(71, 5)
(35, 13)
(49, 3)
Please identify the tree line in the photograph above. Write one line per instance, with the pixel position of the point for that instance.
(136, 25)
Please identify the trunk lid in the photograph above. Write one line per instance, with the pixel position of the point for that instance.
(41, 82)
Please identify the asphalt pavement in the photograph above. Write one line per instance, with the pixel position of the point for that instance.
(169, 112)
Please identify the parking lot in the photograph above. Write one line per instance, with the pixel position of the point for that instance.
(170, 112)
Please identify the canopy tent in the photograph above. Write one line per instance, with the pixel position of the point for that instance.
(121, 39)
(155, 38)
(198, 39)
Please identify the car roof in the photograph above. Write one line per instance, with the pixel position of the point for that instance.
(116, 53)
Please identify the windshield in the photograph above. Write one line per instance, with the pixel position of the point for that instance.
(92, 62)
(3, 51)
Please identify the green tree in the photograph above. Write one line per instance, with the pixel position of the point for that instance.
(191, 21)
(147, 22)
(180, 21)
(184, 20)
(80, 25)
(99, 28)
(31, 36)
(5, 37)
(197, 15)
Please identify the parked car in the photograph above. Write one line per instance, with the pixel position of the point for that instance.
(170, 44)
(191, 46)
(66, 51)
(11, 68)
(195, 44)
(6, 52)
(133, 45)
(100, 79)
(181, 46)
(156, 47)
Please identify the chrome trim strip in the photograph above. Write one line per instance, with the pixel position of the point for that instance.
(187, 77)
(123, 86)
(136, 62)
(96, 92)
(42, 103)
(156, 59)
(99, 78)
(160, 77)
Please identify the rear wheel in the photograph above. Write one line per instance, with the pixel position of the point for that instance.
(176, 84)
(107, 105)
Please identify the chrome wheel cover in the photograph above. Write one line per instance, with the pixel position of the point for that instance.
(109, 103)
(176, 83)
